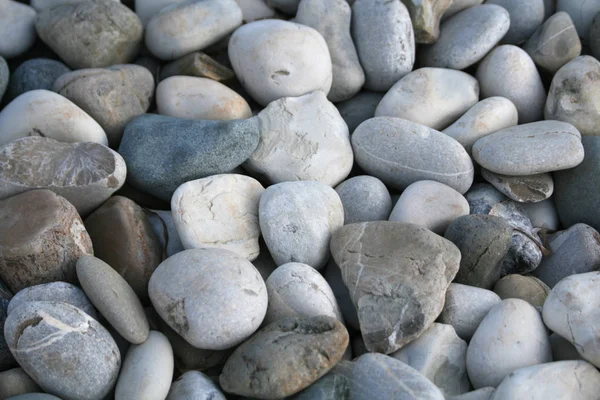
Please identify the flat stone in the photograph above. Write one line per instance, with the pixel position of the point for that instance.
(530, 149)
(365, 198)
(526, 16)
(196, 64)
(285, 357)
(382, 262)
(594, 36)
(562, 349)
(359, 108)
(401, 152)
(139, 382)
(17, 28)
(524, 189)
(38, 331)
(460, 5)
(555, 43)
(485, 117)
(333, 275)
(199, 98)
(527, 288)
(426, 16)
(330, 387)
(482, 197)
(91, 34)
(483, 241)
(45, 251)
(47, 114)
(4, 76)
(113, 96)
(54, 291)
(14, 382)
(508, 71)
(542, 214)
(302, 138)
(297, 220)
(384, 60)
(123, 238)
(465, 307)
(466, 37)
(220, 211)
(582, 12)
(7, 360)
(34, 74)
(84, 173)
(574, 93)
(200, 148)
(439, 354)
(227, 311)
(274, 59)
(195, 385)
(434, 97)
(331, 18)
(165, 230)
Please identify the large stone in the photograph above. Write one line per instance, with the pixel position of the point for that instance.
(34, 74)
(397, 275)
(359, 108)
(527, 288)
(365, 198)
(17, 28)
(426, 16)
(523, 189)
(525, 17)
(195, 385)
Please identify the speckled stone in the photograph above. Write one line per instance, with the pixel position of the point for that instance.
(364, 198)
(37, 73)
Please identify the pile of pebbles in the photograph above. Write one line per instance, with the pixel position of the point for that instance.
(299, 199)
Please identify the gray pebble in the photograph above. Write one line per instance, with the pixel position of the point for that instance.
(582, 13)
(359, 108)
(37, 73)
(17, 28)
(562, 349)
(482, 197)
(426, 16)
(524, 189)
(194, 385)
(542, 214)
(14, 382)
(459, 5)
(365, 198)
(525, 17)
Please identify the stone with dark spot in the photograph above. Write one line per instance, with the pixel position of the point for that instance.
(285, 357)
(6, 359)
(524, 189)
(482, 197)
(37, 73)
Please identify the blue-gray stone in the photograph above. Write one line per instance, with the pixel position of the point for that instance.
(6, 359)
(163, 152)
(330, 387)
(359, 108)
(34, 74)
(4, 74)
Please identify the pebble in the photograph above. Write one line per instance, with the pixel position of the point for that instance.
(555, 43)
(17, 28)
(466, 37)
(228, 309)
(465, 307)
(147, 370)
(460, 5)
(84, 173)
(542, 214)
(508, 71)
(146, 9)
(582, 12)
(45, 251)
(164, 228)
(574, 93)
(298, 290)
(113, 96)
(526, 16)
(124, 239)
(297, 220)
(384, 38)
(594, 36)
(524, 189)
(34, 74)
(285, 357)
(91, 34)
(482, 197)
(429, 204)
(47, 114)
(377, 376)
(330, 387)
(14, 382)
(434, 97)
(527, 288)
(333, 275)
(530, 149)
(302, 138)
(195, 385)
(287, 6)
(383, 148)
(562, 349)
(54, 291)
(426, 16)
(41, 5)
(484, 241)
(359, 108)
(331, 18)
(38, 331)
(199, 98)
(553, 380)
(485, 117)
(274, 59)
(201, 148)
(382, 262)
(439, 354)
(364, 198)
(196, 64)
(479, 394)
(4, 76)
(35, 396)
(254, 10)
(220, 211)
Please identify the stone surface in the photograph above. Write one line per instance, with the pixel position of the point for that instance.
(542, 214)
(4, 76)
(165, 230)
(229, 308)
(41, 5)
(330, 387)
(35, 396)
(581, 11)
(524, 189)
(36, 332)
(562, 349)
(253, 10)
(47, 114)
(364, 198)
(479, 394)
(434, 97)
(401, 152)
(201, 148)
(482, 197)
(465, 307)
(574, 93)
(511, 336)
(146, 9)
(460, 5)
(34, 74)
(220, 211)
(383, 34)
(86, 174)
(14, 382)
(359, 108)
(530, 149)
(429, 204)
(285, 357)
(466, 37)
(123, 238)
(426, 16)
(397, 275)
(508, 71)
(297, 220)
(333, 275)
(45, 251)
(113, 96)
(17, 28)
(594, 36)
(196, 64)
(195, 385)
(287, 6)
(91, 34)
(526, 16)
(527, 288)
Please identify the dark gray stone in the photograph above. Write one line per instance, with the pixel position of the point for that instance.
(37, 73)
(164, 152)
(359, 108)
(330, 387)
(4, 76)
(6, 358)
(593, 37)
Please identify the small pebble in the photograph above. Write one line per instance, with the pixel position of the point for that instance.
(34, 74)
(527, 288)
(364, 198)
(195, 385)
(14, 382)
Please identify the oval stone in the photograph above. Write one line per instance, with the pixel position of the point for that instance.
(33, 74)
(17, 28)
(365, 198)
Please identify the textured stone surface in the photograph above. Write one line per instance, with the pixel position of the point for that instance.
(594, 36)
(365, 198)
(41, 5)
(525, 17)
(37, 73)
(17, 28)
(460, 5)
(196, 64)
(146, 9)
(195, 385)
(524, 189)
(527, 288)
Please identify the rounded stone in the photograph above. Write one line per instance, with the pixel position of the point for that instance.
(17, 28)
(482, 197)
(460, 5)
(35, 396)
(229, 308)
(37, 73)
(89, 363)
(14, 382)
(359, 108)
(195, 385)
(527, 288)
(331, 386)
(4, 76)
(275, 59)
(146, 9)
(524, 189)
(581, 11)
(364, 198)
(525, 17)
(542, 214)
